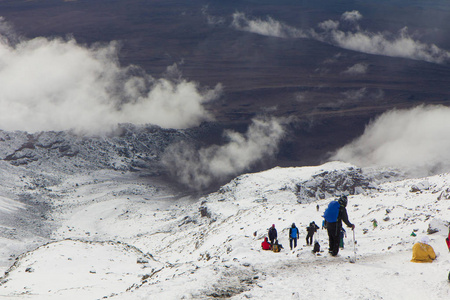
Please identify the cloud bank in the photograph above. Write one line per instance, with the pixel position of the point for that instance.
(198, 168)
(400, 44)
(58, 84)
(415, 139)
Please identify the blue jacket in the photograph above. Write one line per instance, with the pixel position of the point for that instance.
(293, 232)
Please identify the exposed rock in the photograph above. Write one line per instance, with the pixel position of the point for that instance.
(437, 225)
(419, 187)
(445, 194)
(328, 184)
(204, 211)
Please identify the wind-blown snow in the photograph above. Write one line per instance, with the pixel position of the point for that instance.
(128, 241)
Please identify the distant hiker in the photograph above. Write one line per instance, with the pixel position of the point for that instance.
(447, 240)
(312, 228)
(293, 235)
(422, 251)
(272, 234)
(265, 244)
(341, 238)
(335, 213)
(277, 247)
(317, 207)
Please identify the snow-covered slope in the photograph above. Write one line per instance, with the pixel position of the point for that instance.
(32, 164)
(113, 235)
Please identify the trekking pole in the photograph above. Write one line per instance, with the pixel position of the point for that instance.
(354, 247)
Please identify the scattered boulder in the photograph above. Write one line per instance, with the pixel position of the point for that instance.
(142, 260)
(419, 187)
(445, 194)
(437, 225)
(204, 211)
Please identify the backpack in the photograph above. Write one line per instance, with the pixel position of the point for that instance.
(276, 248)
(332, 212)
(294, 232)
(316, 248)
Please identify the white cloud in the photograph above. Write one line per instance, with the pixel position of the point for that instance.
(357, 69)
(329, 25)
(58, 84)
(414, 139)
(268, 27)
(197, 168)
(395, 45)
(355, 95)
(399, 45)
(212, 20)
(351, 16)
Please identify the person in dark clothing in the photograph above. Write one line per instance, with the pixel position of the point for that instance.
(272, 234)
(293, 235)
(334, 228)
(312, 228)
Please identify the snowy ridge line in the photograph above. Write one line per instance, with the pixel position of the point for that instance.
(130, 147)
(127, 247)
(310, 184)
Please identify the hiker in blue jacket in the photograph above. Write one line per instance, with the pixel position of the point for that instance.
(334, 215)
(293, 235)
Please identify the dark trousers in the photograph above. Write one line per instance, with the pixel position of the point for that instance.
(334, 230)
(309, 239)
(272, 241)
(293, 240)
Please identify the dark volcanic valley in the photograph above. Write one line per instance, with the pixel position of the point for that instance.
(299, 78)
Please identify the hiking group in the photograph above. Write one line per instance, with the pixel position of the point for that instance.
(334, 215)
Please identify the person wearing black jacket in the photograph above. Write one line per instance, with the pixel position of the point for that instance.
(334, 228)
(272, 234)
(312, 228)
